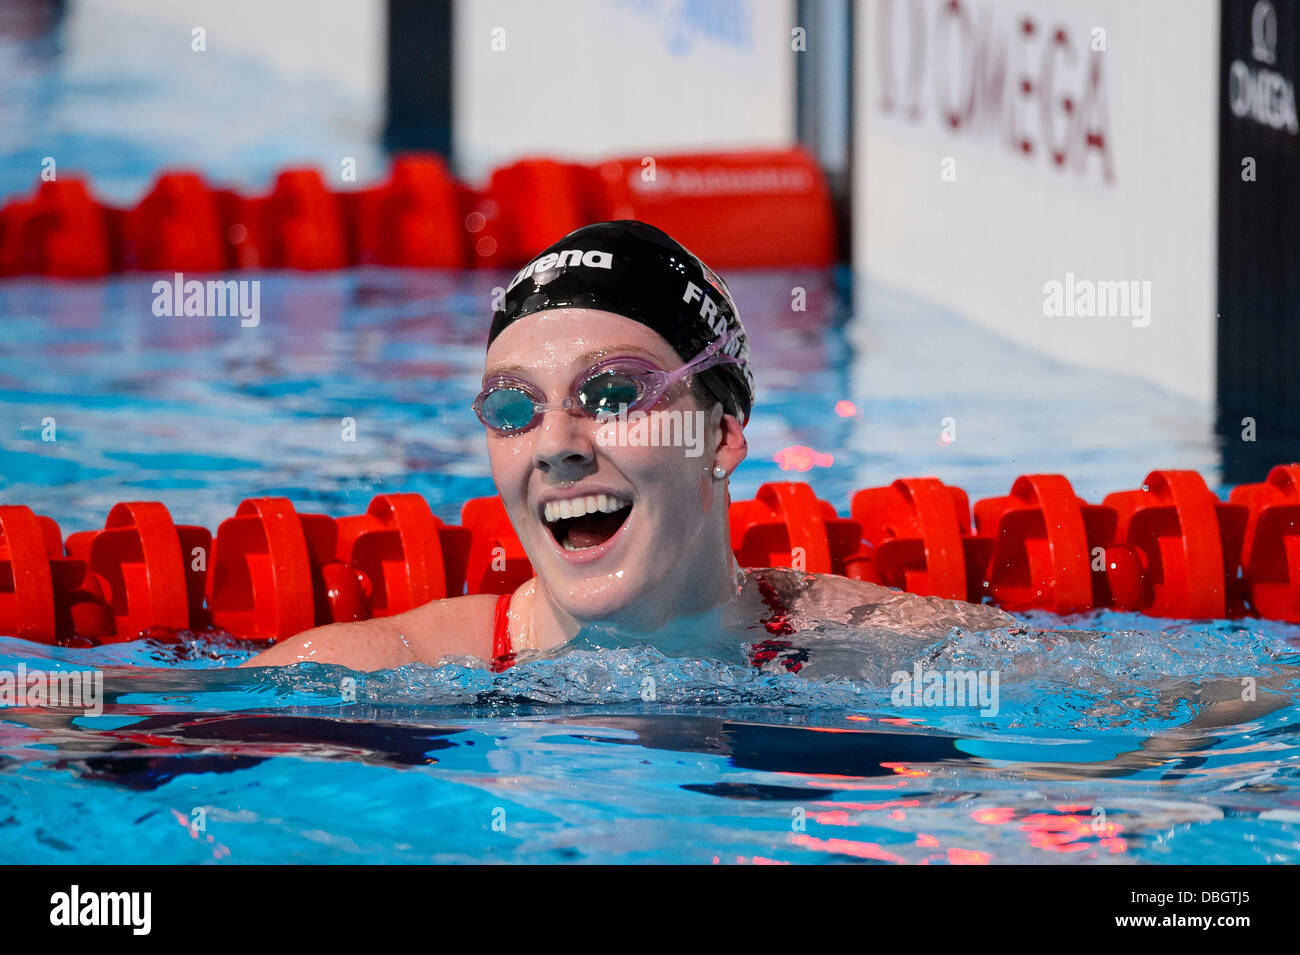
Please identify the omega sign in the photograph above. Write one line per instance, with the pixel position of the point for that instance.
(984, 71)
(1265, 96)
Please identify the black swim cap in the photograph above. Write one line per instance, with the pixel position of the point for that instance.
(635, 270)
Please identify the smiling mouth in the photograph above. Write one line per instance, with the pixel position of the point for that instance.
(585, 522)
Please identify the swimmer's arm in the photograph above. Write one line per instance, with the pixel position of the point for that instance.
(459, 626)
(1218, 705)
(870, 604)
(363, 645)
(960, 613)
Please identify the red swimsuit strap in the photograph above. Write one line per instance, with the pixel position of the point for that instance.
(503, 654)
(778, 623)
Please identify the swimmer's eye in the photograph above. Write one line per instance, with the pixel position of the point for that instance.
(507, 409)
(605, 393)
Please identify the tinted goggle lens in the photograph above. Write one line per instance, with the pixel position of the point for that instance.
(606, 393)
(508, 409)
(513, 409)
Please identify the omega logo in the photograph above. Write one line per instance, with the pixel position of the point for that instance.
(1263, 32)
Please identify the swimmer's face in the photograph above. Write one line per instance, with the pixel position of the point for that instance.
(647, 508)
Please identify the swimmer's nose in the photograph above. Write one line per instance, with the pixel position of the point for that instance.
(564, 446)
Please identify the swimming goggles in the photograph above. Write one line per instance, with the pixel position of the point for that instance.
(509, 405)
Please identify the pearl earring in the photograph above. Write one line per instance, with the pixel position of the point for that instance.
(719, 473)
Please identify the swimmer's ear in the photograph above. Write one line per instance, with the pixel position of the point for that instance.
(732, 446)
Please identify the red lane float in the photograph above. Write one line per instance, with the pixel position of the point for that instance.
(1171, 549)
(528, 205)
(304, 223)
(1270, 555)
(496, 563)
(244, 231)
(786, 525)
(1188, 541)
(49, 598)
(273, 572)
(402, 554)
(761, 209)
(765, 208)
(414, 219)
(176, 228)
(149, 571)
(1051, 550)
(920, 528)
(29, 562)
(62, 232)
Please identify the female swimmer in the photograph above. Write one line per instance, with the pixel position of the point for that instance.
(613, 328)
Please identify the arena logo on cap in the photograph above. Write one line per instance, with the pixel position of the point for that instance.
(567, 259)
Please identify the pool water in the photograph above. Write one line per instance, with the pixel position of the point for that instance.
(1103, 748)
(1114, 741)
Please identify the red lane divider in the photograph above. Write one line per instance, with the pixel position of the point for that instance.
(1171, 549)
(787, 526)
(62, 232)
(412, 220)
(765, 208)
(760, 209)
(149, 571)
(176, 228)
(920, 528)
(1271, 552)
(27, 572)
(528, 205)
(273, 572)
(304, 223)
(1189, 543)
(496, 563)
(45, 596)
(1050, 550)
(403, 555)
(243, 230)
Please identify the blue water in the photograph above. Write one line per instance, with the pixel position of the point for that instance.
(1110, 744)
(1093, 757)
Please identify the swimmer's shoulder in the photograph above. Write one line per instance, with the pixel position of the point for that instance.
(865, 602)
(890, 606)
(452, 626)
(793, 586)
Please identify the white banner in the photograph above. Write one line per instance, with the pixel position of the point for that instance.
(585, 79)
(1046, 169)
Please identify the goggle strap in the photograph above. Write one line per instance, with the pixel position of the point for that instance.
(712, 356)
